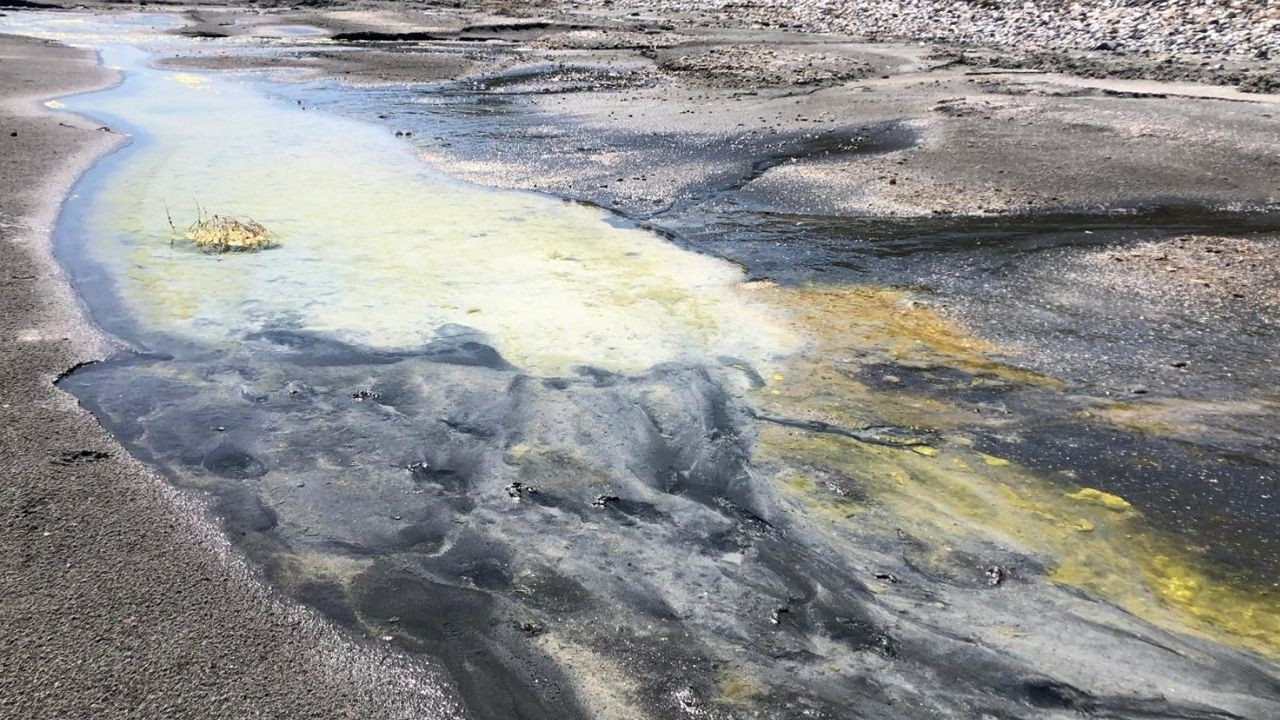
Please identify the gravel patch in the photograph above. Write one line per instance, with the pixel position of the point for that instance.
(1237, 28)
(1225, 273)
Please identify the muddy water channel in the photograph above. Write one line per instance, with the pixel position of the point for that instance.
(595, 473)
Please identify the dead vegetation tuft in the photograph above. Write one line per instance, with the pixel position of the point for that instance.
(224, 234)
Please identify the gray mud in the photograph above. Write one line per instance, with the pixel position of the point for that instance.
(528, 531)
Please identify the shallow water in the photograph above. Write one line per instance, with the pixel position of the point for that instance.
(590, 471)
(377, 249)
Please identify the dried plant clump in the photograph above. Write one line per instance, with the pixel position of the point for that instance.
(222, 234)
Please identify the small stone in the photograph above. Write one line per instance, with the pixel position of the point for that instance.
(518, 490)
(687, 697)
(531, 627)
(604, 500)
(995, 575)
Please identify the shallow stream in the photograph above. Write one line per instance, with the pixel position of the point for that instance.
(595, 473)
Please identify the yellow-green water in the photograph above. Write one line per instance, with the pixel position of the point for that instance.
(377, 249)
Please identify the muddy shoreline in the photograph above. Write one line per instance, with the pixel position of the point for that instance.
(532, 99)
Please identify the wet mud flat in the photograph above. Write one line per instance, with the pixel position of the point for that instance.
(898, 519)
(1123, 352)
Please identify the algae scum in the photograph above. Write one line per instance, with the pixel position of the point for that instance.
(593, 474)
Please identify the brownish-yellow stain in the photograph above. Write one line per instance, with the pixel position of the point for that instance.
(1179, 417)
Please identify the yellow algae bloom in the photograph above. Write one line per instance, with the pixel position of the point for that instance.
(1088, 538)
(1098, 497)
(192, 81)
(992, 460)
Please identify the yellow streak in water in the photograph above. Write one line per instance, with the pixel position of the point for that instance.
(1099, 497)
(1091, 540)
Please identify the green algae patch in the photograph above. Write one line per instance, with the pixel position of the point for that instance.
(1175, 588)
(1217, 602)
(992, 460)
(822, 494)
(1106, 553)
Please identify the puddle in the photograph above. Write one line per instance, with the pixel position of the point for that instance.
(593, 472)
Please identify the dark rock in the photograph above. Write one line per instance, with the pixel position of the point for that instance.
(995, 575)
(530, 627)
(604, 500)
(79, 457)
(518, 490)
